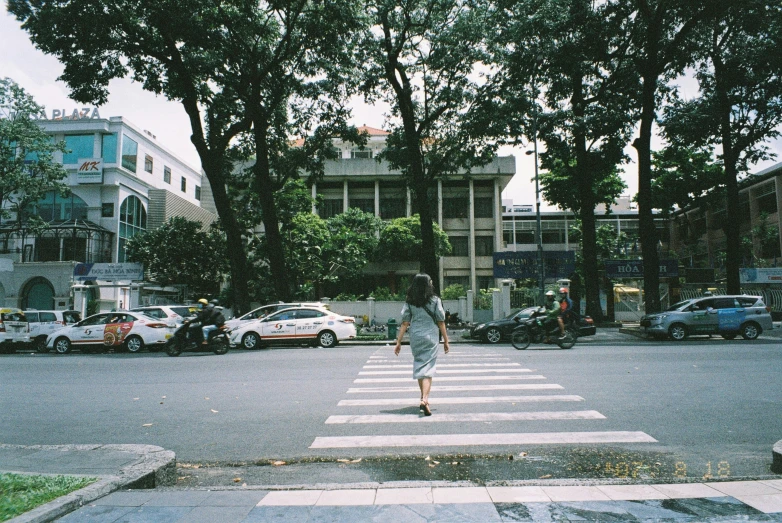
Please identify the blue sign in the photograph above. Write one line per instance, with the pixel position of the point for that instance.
(634, 269)
(519, 265)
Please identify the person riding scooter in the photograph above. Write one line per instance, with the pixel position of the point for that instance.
(565, 310)
(214, 321)
(196, 325)
(552, 313)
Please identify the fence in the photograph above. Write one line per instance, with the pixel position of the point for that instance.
(771, 297)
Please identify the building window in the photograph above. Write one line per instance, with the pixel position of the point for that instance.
(767, 199)
(484, 207)
(329, 208)
(108, 148)
(391, 208)
(484, 245)
(129, 153)
(555, 236)
(485, 282)
(458, 207)
(148, 163)
(167, 174)
(198, 193)
(53, 207)
(78, 146)
(107, 210)
(459, 246)
(365, 204)
(132, 221)
(183, 185)
(361, 153)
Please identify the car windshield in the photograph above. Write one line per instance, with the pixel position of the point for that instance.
(13, 316)
(677, 306)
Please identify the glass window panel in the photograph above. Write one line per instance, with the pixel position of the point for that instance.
(459, 246)
(148, 162)
(484, 207)
(365, 204)
(167, 174)
(484, 245)
(456, 207)
(109, 148)
(129, 153)
(78, 146)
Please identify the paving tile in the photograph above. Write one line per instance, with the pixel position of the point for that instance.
(177, 498)
(575, 494)
(347, 497)
(403, 496)
(461, 495)
(631, 492)
(688, 490)
(291, 497)
(155, 515)
(95, 514)
(702, 508)
(602, 511)
(286, 514)
(211, 514)
(227, 498)
(743, 488)
(517, 494)
(769, 503)
(465, 513)
(776, 483)
(124, 498)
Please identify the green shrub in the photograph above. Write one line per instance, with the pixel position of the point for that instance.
(454, 292)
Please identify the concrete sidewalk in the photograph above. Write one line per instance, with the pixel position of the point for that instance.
(135, 485)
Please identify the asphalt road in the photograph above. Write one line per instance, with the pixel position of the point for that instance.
(714, 408)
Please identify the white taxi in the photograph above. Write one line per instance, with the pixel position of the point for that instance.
(14, 330)
(129, 331)
(297, 326)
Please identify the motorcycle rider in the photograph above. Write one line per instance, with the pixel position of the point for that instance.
(214, 321)
(201, 317)
(565, 310)
(552, 313)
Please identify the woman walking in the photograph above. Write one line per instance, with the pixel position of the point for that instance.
(424, 315)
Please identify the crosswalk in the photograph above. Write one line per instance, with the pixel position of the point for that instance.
(479, 398)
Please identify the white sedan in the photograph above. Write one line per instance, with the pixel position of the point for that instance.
(131, 331)
(301, 325)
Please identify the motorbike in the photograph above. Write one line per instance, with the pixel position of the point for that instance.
(188, 338)
(534, 330)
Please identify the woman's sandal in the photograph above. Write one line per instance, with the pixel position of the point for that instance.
(426, 409)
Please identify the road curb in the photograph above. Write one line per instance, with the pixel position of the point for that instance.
(776, 452)
(155, 467)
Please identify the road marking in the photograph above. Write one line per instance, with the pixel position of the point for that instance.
(457, 388)
(454, 440)
(397, 360)
(477, 417)
(452, 378)
(441, 371)
(410, 365)
(460, 400)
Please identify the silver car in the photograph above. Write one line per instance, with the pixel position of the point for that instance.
(728, 316)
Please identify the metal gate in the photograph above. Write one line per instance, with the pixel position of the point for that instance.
(629, 303)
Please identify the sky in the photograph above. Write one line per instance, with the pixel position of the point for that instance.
(37, 73)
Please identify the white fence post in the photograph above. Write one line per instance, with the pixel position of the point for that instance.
(469, 315)
(496, 304)
(371, 313)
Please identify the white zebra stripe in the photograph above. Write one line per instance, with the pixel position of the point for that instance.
(453, 440)
(474, 417)
(452, 378)
(457, 388)
(460, 400)
(440, 371)
(410, 365)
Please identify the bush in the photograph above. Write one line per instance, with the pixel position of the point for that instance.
(483, 300)
(385, 294)
(453, 292)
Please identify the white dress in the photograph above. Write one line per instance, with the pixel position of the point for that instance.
(424, 336)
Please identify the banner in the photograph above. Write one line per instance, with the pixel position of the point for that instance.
(520, 265)
(108, 271)
(764, 275)
(634, 269)
(90, 170)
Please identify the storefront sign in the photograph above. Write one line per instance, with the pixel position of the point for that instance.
(108, 271)
(90, 170)
(631, 269)
(518, 265)
(764, 275)
(85, 113)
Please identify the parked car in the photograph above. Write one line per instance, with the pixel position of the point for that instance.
(301, 325)
(14, 330)
(728, 316)
(265, 310)
(499, 330)
(131, 331)
(43, 323)
(175, 313)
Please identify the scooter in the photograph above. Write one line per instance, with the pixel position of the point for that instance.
(534, 330)
(188, 338)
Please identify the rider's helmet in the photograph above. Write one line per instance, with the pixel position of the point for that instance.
(214, 302)
(563, 290)
(203, 303)
(550, 294)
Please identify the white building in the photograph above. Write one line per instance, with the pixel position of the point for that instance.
(122, 182)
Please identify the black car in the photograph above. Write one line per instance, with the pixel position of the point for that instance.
(498, 330)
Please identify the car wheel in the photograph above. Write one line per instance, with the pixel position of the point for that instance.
(729, 336)
(40, 344)
(493, 335)
(134, 344)
(750, 331)
(327, 339)
(62, 345)
(251, 341)
(677, 331)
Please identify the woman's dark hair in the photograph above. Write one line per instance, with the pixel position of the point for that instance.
(421, 290)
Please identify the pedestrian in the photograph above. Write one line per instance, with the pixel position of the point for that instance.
(424, 316)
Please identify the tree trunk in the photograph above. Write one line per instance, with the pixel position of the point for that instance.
(264, 187)
(647, 230)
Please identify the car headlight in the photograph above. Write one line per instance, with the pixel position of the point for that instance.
(480, 326)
